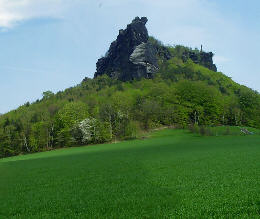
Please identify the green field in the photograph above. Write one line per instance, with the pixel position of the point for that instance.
(173, 174)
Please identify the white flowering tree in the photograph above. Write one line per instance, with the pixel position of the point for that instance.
(88, 129)
(91, 130)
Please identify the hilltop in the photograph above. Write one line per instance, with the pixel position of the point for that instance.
(139, 85)
(133, 55)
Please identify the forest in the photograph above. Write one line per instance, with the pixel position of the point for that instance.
(183, 93)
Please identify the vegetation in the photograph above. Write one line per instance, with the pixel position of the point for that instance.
(190, 177)
(101, 110)
(223, 130)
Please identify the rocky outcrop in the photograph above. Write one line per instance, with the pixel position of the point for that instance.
(144, 59)
(206, 59)
(131, 56)
(201, 58)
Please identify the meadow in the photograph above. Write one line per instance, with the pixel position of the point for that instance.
(171, 174)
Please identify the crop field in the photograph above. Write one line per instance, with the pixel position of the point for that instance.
(172, 174)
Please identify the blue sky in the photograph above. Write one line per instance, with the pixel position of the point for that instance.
(54, 44)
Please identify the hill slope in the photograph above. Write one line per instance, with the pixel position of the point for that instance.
(185, 90)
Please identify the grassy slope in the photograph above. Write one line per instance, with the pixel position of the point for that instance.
(173, 174)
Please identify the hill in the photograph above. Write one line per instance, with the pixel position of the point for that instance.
(173, 174)
(147, 86)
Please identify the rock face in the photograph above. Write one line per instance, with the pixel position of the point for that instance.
(202, 58)
(207, 60)
(131, 56)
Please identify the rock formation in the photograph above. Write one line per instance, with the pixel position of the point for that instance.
(201, 58)
(131, 56)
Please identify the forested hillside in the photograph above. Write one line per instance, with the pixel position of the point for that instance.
(171, 86)
(101, 109)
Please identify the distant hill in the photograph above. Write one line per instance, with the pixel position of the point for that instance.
(140, 84)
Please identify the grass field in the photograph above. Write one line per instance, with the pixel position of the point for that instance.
(173, 174)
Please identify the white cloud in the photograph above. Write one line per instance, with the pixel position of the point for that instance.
(15, 11)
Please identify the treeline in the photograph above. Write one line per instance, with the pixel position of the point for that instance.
(102, 109)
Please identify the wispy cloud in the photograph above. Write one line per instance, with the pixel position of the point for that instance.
(13, 12)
